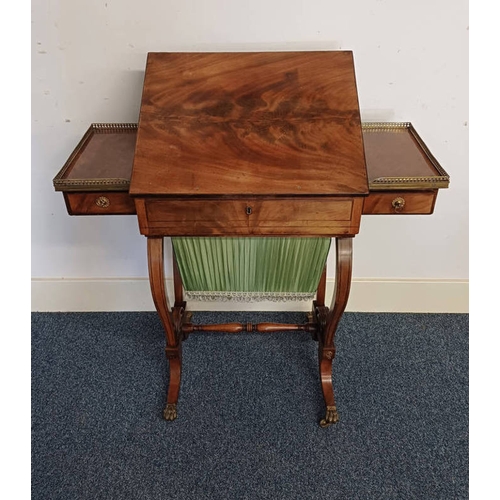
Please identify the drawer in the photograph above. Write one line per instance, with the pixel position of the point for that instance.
(99, 203)
(400, 202)
(403, 176)
(328, 216)
(96, 177)
(184, 217)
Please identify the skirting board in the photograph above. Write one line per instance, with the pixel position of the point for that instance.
(133, 294)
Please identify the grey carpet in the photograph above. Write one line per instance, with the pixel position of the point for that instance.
(249, 410)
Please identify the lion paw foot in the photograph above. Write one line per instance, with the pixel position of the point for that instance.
(331, 417)
(170, 412)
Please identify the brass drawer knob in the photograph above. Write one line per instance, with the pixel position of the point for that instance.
(398, 204)
(102, 202)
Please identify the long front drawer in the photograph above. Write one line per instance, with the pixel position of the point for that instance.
(328, 216)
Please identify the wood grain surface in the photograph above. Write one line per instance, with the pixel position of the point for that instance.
(105, 156)
(249, 123)
(395, 153)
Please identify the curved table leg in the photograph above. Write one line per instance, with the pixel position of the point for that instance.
(343, 247)
(160, 299)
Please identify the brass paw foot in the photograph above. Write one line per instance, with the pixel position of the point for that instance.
(331, 417)
(170, 412)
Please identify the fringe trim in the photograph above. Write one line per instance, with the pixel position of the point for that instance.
(250, 296)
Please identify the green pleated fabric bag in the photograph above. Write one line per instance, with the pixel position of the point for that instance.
(265, 268)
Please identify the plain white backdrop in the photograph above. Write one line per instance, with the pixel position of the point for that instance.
(88, 61)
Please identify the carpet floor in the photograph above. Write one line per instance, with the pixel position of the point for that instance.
(248, 412)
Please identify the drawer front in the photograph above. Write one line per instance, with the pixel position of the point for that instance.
(254, 216)
(100, 203)
(193, 217)
(303, 216)
(400, 202)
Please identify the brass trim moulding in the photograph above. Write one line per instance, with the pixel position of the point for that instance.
(442, 180)
(385, 126)
(75, 185)
(110, 128)
(109, 184)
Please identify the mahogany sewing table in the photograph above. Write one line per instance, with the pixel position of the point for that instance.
(250, 144)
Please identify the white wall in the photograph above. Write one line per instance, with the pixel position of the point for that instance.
(87, 66)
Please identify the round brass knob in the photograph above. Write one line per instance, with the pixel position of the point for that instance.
(102, 202)
(398, 204)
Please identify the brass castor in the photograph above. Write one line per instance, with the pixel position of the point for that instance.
(331, 417)
(170, 412)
